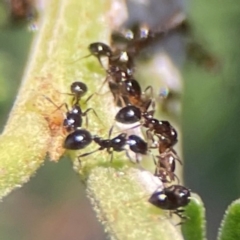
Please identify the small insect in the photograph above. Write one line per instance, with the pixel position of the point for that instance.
(165, 166)
(118, 144)
(74, 116)
(171, 198)
(167, 135)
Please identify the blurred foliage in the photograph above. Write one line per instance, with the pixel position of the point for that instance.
(211, 111)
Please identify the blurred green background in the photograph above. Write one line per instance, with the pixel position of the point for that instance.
(53, 206)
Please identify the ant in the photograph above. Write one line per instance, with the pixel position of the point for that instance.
(124, 87)
(165, 166)
(73, 116)
(167, 135)
(172, 198)
(118, 144)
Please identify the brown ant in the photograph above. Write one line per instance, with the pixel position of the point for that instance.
(165, 166)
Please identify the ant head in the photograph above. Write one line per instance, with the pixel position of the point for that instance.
(100, 49)
(79, 88)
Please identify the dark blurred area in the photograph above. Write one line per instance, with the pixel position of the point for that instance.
(53, 204)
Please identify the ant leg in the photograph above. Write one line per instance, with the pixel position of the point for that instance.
(96, 93)
(104, 82)
(154, 160)
(111, 157)
(64, 104)
(110, 131)
(175, 176)
(123, 103)
(80, 58)
(150, 137)
(179, 213)
(152, 102)
(89, 97)
(85, 114)
(177, 157)
(57, 107)
(86, 154)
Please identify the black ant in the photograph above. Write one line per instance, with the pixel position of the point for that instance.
(171, 198)
(118, 144)
(167, 135)
(73, 117)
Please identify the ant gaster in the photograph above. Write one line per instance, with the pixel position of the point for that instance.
(171, 198)
(78, 139)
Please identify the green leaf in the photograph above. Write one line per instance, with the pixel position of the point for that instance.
(195, 225)
(34, 127)
(120, 200)
(230, 226)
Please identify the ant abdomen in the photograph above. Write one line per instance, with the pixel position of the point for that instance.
(78, 139)
(171, 198)
(128, 115)
(137, 144)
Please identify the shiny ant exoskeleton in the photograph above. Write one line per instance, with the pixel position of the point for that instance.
(78, 90)
(165, 166)
(172, 198)
(116, 144)
(162, 129)
(99, 50)
(78, 139)
(167, 135)
(74, 116)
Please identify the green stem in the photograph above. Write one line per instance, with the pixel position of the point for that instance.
(119, 194)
